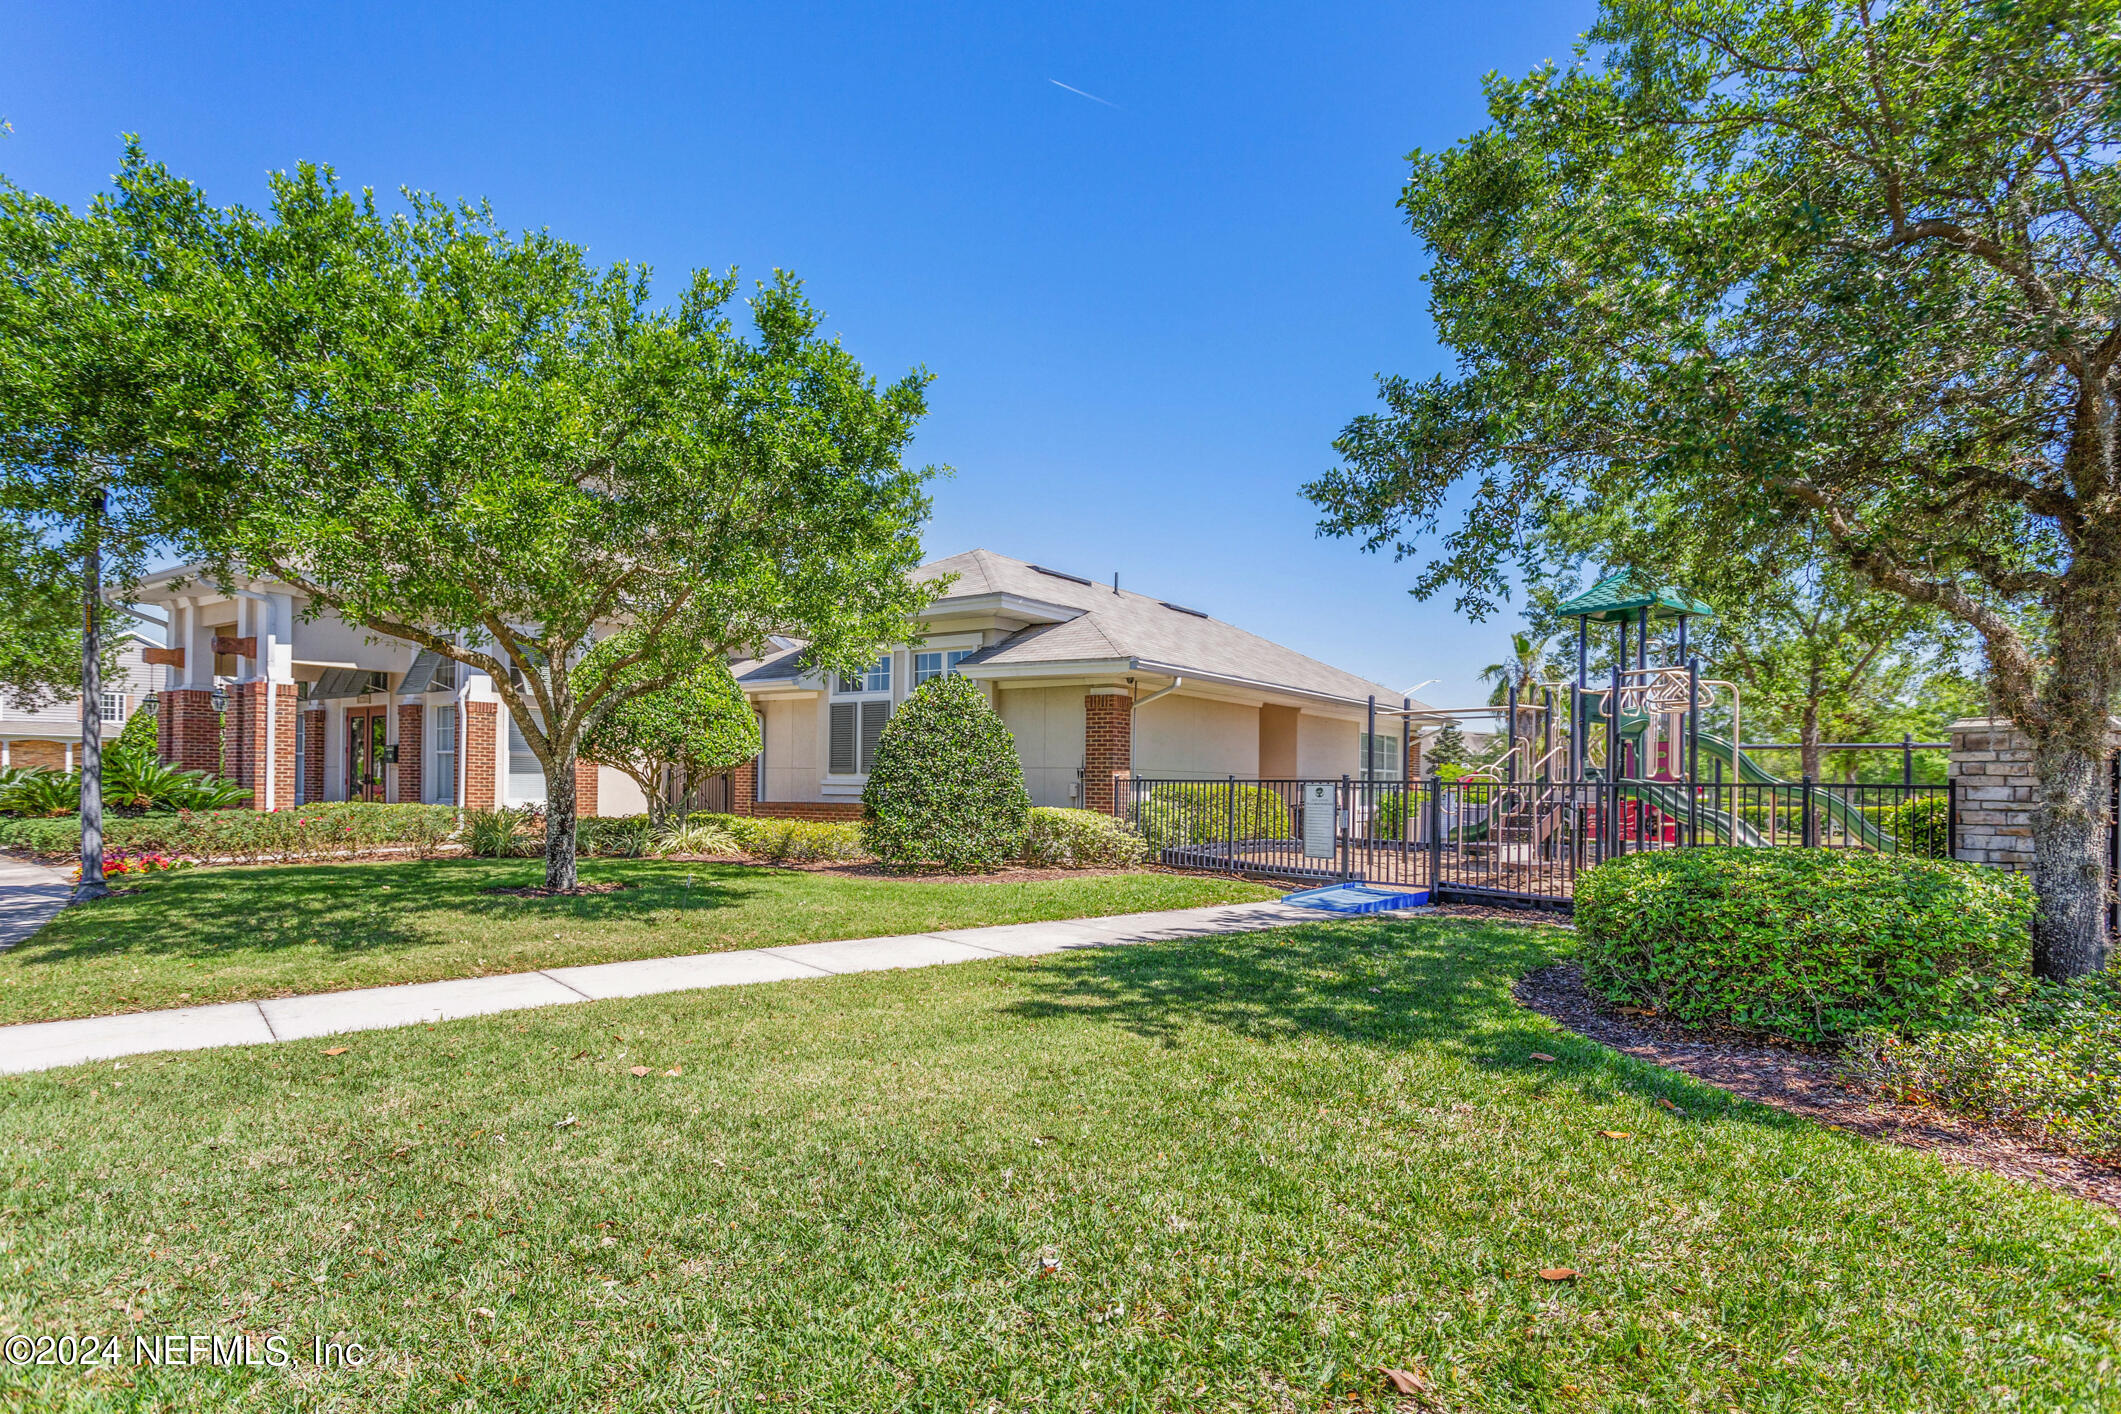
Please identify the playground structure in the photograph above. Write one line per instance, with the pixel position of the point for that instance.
(1586, 771)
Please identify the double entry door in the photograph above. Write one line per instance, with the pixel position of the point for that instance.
(366, 751)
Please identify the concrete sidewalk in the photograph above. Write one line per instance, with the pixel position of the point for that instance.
(29, 895)
(41, 1045)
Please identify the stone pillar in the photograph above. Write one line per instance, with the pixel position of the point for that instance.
(477, 742)
(585, 789)
(744, 788)
(1108, 740)
(1992, 779)
(186, 732)
(411, 721)
(258, 742)
(312, 729)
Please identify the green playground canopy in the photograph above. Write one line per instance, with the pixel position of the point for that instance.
(1622, 597)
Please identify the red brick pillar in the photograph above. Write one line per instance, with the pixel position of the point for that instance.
(1412, 742)
(186, 733)
(245, 740)
(477, 741)
(585, 789)
(411, 719)
(312, 729)
(1108, 739)
(744, 788)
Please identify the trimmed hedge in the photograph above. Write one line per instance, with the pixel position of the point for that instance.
(1080, 839)
(946, 787)
(2048, 1067)
(1180, 813)
(324, 831)
(1811, 944)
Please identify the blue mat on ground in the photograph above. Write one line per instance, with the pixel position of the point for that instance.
(1358, 898)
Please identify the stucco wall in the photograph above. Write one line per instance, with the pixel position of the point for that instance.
(1278, 734)
(617, 794)
(793, 770)
(1327, 748)
(1047, 723)
(1196, 736)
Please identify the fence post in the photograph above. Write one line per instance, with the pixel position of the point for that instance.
(1808, 835)
(1951, 818)
(1230, 823)
(1342, 822)
(1435, 833)
(1907, 758)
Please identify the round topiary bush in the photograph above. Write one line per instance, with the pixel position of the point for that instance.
(946, 787)
(1811, 944)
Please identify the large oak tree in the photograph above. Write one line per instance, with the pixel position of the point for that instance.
(1817, 267)
(483, 444)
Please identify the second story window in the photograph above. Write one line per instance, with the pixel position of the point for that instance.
(875, 678)
(111, 708)
(934, 665)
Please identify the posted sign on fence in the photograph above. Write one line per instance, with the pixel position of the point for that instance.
(1320, 824)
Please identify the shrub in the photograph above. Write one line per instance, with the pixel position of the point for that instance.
(2048, 1067)
(697, 835)
(40, 792)
(1179, 813)
(321, 831)
(614, 836)
(946, 787)
(1923, 826)
(1395, 809)
(503, 834)
(1811, 944)
(804, 841)
(1080, 839)
(132, 780)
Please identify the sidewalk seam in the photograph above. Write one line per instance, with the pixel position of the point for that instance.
(567, 984)
(259, 1007)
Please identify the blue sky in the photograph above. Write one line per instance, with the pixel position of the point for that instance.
(1147, 315)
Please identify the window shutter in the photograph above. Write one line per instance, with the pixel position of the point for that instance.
(874, 715)
(843, 761)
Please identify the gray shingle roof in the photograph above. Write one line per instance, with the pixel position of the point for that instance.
(1135, 626)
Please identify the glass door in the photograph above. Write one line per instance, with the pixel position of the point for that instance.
(366, 752)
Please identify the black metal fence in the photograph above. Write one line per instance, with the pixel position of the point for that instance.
(1508, 841)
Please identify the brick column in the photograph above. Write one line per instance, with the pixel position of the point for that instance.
(585, 788)
(186, 732)
(1108, 739)
(244, 737)
(411, 722)
(476, 741)
(744, 788)
(312, 729)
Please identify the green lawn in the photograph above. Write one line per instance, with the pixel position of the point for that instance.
(1261, 1167)
(219, 935)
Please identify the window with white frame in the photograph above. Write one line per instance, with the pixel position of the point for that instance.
(1382, 755)
(854, 724)
(934, 665)
(111, 707)
(443, 790)
(875, 678)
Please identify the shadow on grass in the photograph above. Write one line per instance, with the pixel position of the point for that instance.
(1390, 985)
(357, 907)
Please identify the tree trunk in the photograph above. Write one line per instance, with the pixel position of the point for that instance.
(92, 885)
(1808, 741)
(2069, 857)
(559, 819)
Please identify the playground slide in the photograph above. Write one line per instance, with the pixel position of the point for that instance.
(1831, 805)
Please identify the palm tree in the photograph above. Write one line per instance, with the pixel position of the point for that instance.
(1525, 668)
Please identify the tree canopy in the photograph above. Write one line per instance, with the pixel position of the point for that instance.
(482, 444)
(695, 726)
(1816, 268)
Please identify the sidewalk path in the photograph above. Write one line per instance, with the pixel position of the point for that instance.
(29, 895)
(41, 1045)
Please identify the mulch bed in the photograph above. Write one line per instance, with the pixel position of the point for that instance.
(1804, 1081)
(576, 892)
